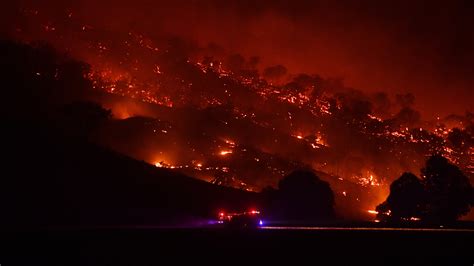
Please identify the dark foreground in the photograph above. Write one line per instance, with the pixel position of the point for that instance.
(152, 246)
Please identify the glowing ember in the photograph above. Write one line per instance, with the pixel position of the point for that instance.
(223, 153)
(230, 142)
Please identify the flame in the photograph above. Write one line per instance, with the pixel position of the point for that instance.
(225, 152)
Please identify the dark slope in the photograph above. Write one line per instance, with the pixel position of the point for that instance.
(51, 179)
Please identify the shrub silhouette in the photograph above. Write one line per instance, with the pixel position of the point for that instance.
(301, 196)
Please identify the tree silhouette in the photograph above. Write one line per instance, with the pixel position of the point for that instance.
(448, 191)
(442, 196)
(405, 199)
(275, 72)
(301, 196)
(82, 118)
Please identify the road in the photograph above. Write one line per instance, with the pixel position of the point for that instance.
(148, 245)
(321, 228)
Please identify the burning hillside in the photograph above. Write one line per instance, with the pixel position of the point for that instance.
(219, 117)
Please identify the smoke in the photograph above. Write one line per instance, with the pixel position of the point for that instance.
(405, 100)
(394, 47)
(274, 72)
(230, 86)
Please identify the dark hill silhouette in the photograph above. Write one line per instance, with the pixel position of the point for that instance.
(55, 173)
(52, 179)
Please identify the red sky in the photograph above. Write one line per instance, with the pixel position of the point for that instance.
(394, 46)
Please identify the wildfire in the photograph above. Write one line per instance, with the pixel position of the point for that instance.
(161, 164)
(260, 109)
(319, 140)
(123, 83)
(369, 180)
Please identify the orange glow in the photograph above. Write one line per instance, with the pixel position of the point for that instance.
(230, 142)
(369, 180)
(224, 153)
